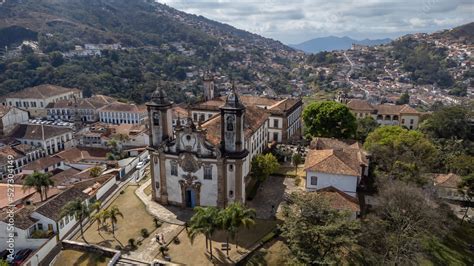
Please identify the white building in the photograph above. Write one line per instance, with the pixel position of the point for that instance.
(50, 138)
(122, 113)
(208, 164)
(333, 163)
(284, 122)
(85, 110)
(14, 158)
(10, 117)
(386, 114)
(35, 99)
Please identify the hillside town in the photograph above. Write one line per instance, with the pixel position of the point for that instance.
(145, 133)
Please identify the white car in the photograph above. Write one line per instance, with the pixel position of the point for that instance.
(140, 165)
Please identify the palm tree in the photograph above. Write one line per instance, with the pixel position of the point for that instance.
(204, 221)
(113, 213)
(79, 210)
(234, 217)
(100, 217)
(40, 182)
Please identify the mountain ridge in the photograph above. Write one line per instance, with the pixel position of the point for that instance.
(331, 43)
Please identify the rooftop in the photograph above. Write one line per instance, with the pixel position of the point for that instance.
(334, 161)
(41, 92)
(38, 132)
(52, 208)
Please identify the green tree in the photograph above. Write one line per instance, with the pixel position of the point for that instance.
(113, 214)
(264, 165)
(404, 215)
(400, 153)
(79, 210)
(330, 120)
(56, 59)
(404, 99)
(365, 126)
(315, 232)
(450, 122)
(40, 182)
(297, 160)
(233, 217)
(95, 171)
(204, 221)
(462, 164)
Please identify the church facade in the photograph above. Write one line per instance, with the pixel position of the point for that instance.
(204, 164)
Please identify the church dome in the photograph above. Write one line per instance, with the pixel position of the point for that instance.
(233, 100)
(159, 96)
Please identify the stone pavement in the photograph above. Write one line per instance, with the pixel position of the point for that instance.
(166, 214)
(271, 193)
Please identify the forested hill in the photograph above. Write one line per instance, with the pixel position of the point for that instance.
(160, 43)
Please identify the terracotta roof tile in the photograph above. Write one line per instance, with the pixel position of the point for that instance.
(41, 92)
(42, 163)
(343, 162)
(447, 180)
(52, 208)
(339, 200)
(360, 105)
(38, 132)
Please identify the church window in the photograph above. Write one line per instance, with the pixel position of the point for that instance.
(314, 180)
(157, 184)
(174, 168)
(275, 136)
(195, 116)
(208, 172)
(231, 193)
(156, 119)
(275, 123)
(202, 118)
(231, 167)
(230, 123)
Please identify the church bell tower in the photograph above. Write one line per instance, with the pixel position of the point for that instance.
(160, 119)
(232, 126)
(208, 82)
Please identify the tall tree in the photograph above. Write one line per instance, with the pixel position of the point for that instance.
(404, 215)
(40, 182)
(317, 233)
(400, 153)
(329, 119)
(264, 165)
(297, 159)
(450, 122)
(113, 214)
(364, 127)
(404, 99)
(234, 217)
(79, 210)
(204, 221)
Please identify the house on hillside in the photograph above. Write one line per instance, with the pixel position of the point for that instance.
(339, 168)
(10, 117)
(35, 99)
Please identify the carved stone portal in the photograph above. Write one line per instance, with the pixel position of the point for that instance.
(188, 183)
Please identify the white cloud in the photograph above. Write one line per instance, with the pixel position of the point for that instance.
(298, 20)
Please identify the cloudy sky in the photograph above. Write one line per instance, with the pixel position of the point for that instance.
(294, 21)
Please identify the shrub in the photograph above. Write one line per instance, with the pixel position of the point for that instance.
(176, 241)
(297, 181)
(144, 232)
(131, 242)
(157, 222)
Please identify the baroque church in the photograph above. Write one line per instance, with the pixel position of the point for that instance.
(205, 160)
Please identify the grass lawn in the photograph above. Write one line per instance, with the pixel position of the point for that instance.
(274, 252)
(73, 257)
(195, 253)
(135, 217)
(452, 250)
(290, 171)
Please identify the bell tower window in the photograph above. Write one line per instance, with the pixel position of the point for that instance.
(156, 119)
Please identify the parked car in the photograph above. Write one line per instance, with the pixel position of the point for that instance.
(21, 256)
(140, 165)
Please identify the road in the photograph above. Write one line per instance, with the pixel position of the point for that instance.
(348, 78)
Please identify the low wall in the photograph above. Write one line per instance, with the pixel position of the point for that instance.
(79, 246)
